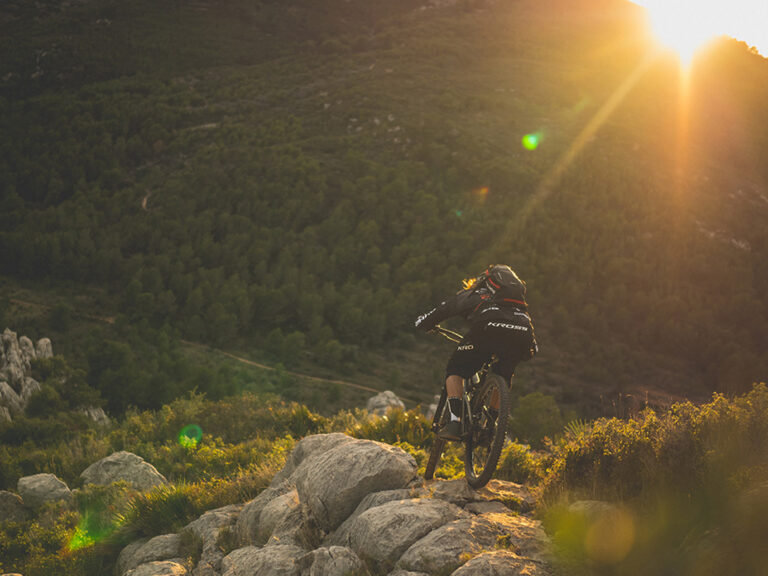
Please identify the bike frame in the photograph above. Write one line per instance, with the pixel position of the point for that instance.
(469, 387)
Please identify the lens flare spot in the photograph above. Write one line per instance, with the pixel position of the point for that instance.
(531, 141)
(458, 213)
(480, 193)
(80, 539)
(190, 436)
(610, 537)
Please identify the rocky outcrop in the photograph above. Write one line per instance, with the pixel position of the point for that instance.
(343, 506)
(383, 403)
(16, 384)
(39, 489)
(123, 466)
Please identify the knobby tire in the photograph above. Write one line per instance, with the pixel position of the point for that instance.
(480, 466)
(437, 446)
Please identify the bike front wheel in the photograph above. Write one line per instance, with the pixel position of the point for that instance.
(486, 438)
(441, 415)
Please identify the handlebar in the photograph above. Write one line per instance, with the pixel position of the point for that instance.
(448, 334)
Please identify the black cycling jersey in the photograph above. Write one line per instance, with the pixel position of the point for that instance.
(500, 327)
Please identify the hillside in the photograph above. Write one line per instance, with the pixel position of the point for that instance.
(301, 179)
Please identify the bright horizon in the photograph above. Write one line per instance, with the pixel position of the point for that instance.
(687, 25)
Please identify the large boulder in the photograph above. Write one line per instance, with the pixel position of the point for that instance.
(337, 480)
(333, 561)
(501, 563)
(278, 560)
(123, 466)
(305, 450)
(164, 568)
(12, 507)
(163, 547)
(38, 489)
(446, 548)
(341, 535)
(383, 403)
(380, 535)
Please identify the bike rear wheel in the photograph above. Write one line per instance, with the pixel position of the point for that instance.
(486, 439)
(441, 414)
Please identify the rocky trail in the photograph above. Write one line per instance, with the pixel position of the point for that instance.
(342, 507)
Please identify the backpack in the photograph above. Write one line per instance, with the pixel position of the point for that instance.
(504, 285)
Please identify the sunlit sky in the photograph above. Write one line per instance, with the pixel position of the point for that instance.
(685, 25)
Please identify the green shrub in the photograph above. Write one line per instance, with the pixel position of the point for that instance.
(518, 463)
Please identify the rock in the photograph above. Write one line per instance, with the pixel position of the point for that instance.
(207, 529)
(163, 547)
(307, 448)
(486, 507)
(401, 572)
(501, 563)
(43, 348)
(340, 478)
(454, 491)
(333, 561)
(5, 414)
(383, 403)
(247, 525)
(27, 350)
(10, 400)
(12, 507)
(380, 535)
(521, 534)
(97, 415)
(165, 568)
(515, 496)
(38, 489)
(303, 454)
(445, 549)
(123, 466)
(276, 560)
(341, 535)
(274, 513)
(29, 386)
(298, 529)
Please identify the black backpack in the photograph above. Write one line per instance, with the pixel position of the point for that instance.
(506, 286)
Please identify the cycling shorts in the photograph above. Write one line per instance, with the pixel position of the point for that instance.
(509, 342)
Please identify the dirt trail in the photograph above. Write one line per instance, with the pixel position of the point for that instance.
(111, 320)
(289, 372)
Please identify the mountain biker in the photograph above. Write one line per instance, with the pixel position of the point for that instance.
(494, 305)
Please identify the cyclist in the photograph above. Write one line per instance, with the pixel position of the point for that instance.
(494, 305)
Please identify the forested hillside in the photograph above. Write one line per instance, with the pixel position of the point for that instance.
(305, 177)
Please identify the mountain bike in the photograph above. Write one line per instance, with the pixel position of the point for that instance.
(484, 429)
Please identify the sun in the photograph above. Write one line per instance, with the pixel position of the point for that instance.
(684, 26)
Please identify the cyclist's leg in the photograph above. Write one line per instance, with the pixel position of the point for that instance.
(463, 363)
